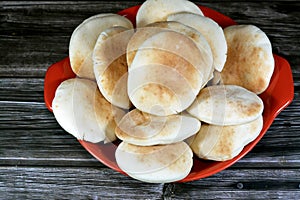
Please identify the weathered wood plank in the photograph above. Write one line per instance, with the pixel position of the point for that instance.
(43, 147)
(35, 115)
(66, 151)
(33, 35)
(30, 43)
(88, 183)
(72, 183)
(241, 184)
(30, 56)
(45, 143)
(22, 115)
(22, 89)
(29, 89)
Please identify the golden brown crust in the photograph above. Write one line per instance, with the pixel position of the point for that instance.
(84, 38)
(250, 62)
(110, 66)
(113, 74)
(222, 143)
(226, 105)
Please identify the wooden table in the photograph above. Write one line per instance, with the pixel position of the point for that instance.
(38, 160)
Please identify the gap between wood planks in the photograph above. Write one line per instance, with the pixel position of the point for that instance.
(88, 181)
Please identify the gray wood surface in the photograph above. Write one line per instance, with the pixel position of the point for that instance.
(39, 160)
(103, 183)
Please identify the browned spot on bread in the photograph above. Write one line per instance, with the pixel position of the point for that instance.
(173, 156)
(224, 147)
(180, 164)
(76, 63)
(130, 56)
(119, 133)
(113, 74)
(127, 127)
(161, 159)
(161, 93)
(105, 111)
(252, 109)
(144, 127)
(137, 39)
(161, 24)
(181, 65)
(193, 35)
(248, 62)
(139, 117)
(246, 109)
(143, 149)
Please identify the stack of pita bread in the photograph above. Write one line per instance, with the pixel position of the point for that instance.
(177, 85)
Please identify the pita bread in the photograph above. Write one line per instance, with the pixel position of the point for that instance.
(250, 61)
(143, 34)
(138, 39)
(158, 10)
(206, 68)
(83, 40)
(226, 105)
(163, 78)
(82, 111)
(155, 164)
(143, 129)
(160, 90)
(110, 66)
(212, 32)
(222, 143)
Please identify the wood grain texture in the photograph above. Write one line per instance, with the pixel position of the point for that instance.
(72, 183)
(240, 184)
(39, 160)
(280, 147)
(94, 183)
(35, 35)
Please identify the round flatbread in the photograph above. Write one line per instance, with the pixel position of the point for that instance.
(138, 39)
(82, 111)
(110, 65)
(250, 61)
(144, 33)
(155, 164)
(165, 75)
(158, 10)
(212, 32)
(222, 143)
(83, 40)
(206, 68)
(144, 129)
(226, 105)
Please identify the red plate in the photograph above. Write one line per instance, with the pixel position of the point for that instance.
(279, 95)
